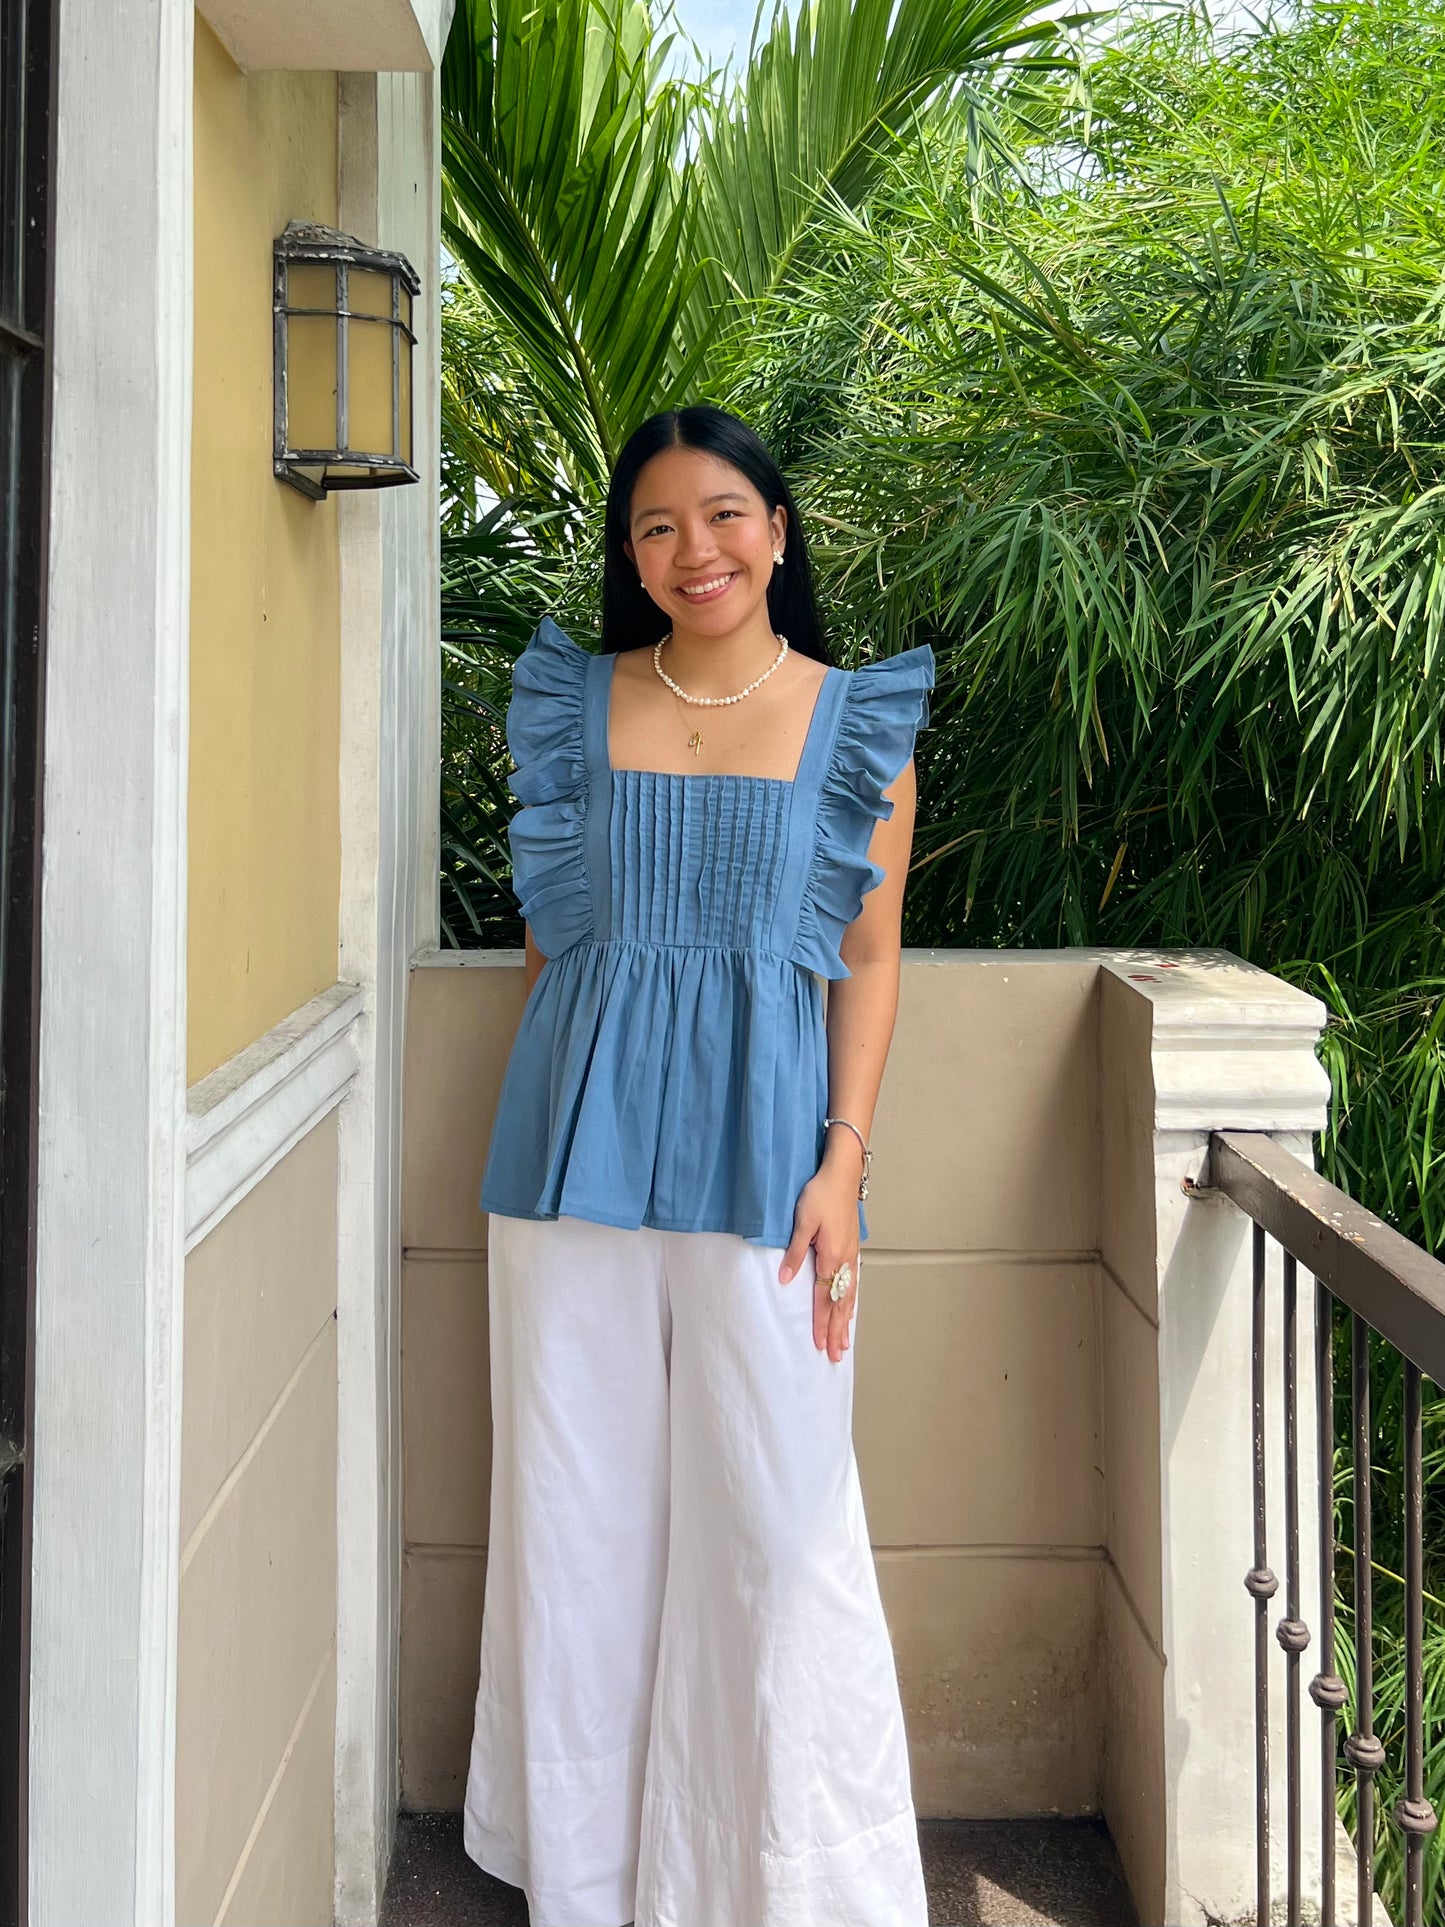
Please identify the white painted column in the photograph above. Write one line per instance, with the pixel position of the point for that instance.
(1232, 1048)
(391, 671)
(110, 1233)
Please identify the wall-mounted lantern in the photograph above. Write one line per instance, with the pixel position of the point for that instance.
(343, 342)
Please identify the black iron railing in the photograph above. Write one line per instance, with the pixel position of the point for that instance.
(1390, 1287)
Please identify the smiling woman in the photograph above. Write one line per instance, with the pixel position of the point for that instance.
(714, 817)
(708, 550)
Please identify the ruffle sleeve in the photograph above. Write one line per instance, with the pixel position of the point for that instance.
(547, 836)
(885, 705)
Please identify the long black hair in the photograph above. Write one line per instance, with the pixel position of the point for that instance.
(630, 617)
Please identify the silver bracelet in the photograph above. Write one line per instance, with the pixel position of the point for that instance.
(867, 1154)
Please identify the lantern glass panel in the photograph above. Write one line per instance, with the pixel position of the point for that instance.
(368, 292)
(404, 308)
(311, 381)
(368, 387)
(311, 284)
(403, 369)
(338, 474)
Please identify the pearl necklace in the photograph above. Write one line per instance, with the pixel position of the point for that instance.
(694, 742)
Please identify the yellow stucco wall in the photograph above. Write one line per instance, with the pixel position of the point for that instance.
(265, 850)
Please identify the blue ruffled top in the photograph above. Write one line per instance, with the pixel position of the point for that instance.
(671, 1064)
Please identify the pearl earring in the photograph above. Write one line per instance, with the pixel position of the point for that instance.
(778, 557)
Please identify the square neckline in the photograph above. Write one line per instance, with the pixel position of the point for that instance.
(830, 671)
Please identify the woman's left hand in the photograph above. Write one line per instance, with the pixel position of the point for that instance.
(826, 1217)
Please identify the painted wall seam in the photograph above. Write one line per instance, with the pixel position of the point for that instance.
(328, 1660)
(1112, 1277)
(253, 1448)
(1127, 1595)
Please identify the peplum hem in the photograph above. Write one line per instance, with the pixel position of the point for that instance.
(618, 1107)
(885, 705)
(547, 836)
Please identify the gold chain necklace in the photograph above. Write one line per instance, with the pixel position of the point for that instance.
(694, 742)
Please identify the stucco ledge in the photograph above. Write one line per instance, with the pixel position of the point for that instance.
(341, 36)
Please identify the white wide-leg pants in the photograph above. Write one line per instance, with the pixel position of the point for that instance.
(688, 1713)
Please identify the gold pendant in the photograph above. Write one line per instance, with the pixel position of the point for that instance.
(694, 743)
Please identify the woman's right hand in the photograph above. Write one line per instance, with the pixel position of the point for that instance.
(826, 1217)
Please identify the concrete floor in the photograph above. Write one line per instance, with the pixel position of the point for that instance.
(980, 1873)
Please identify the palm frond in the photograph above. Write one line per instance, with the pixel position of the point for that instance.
(826, 95)
(568, 205)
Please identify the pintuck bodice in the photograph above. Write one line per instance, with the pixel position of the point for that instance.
(671, 1064)
(696, 859)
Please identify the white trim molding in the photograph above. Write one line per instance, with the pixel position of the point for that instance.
(243, 1119)
(110, 1223)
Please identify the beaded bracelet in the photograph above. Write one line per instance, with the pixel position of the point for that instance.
(867, 1154)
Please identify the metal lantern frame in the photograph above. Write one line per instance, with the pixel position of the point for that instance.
(309, 244)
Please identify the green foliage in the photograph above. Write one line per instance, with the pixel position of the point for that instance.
(496, 576)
